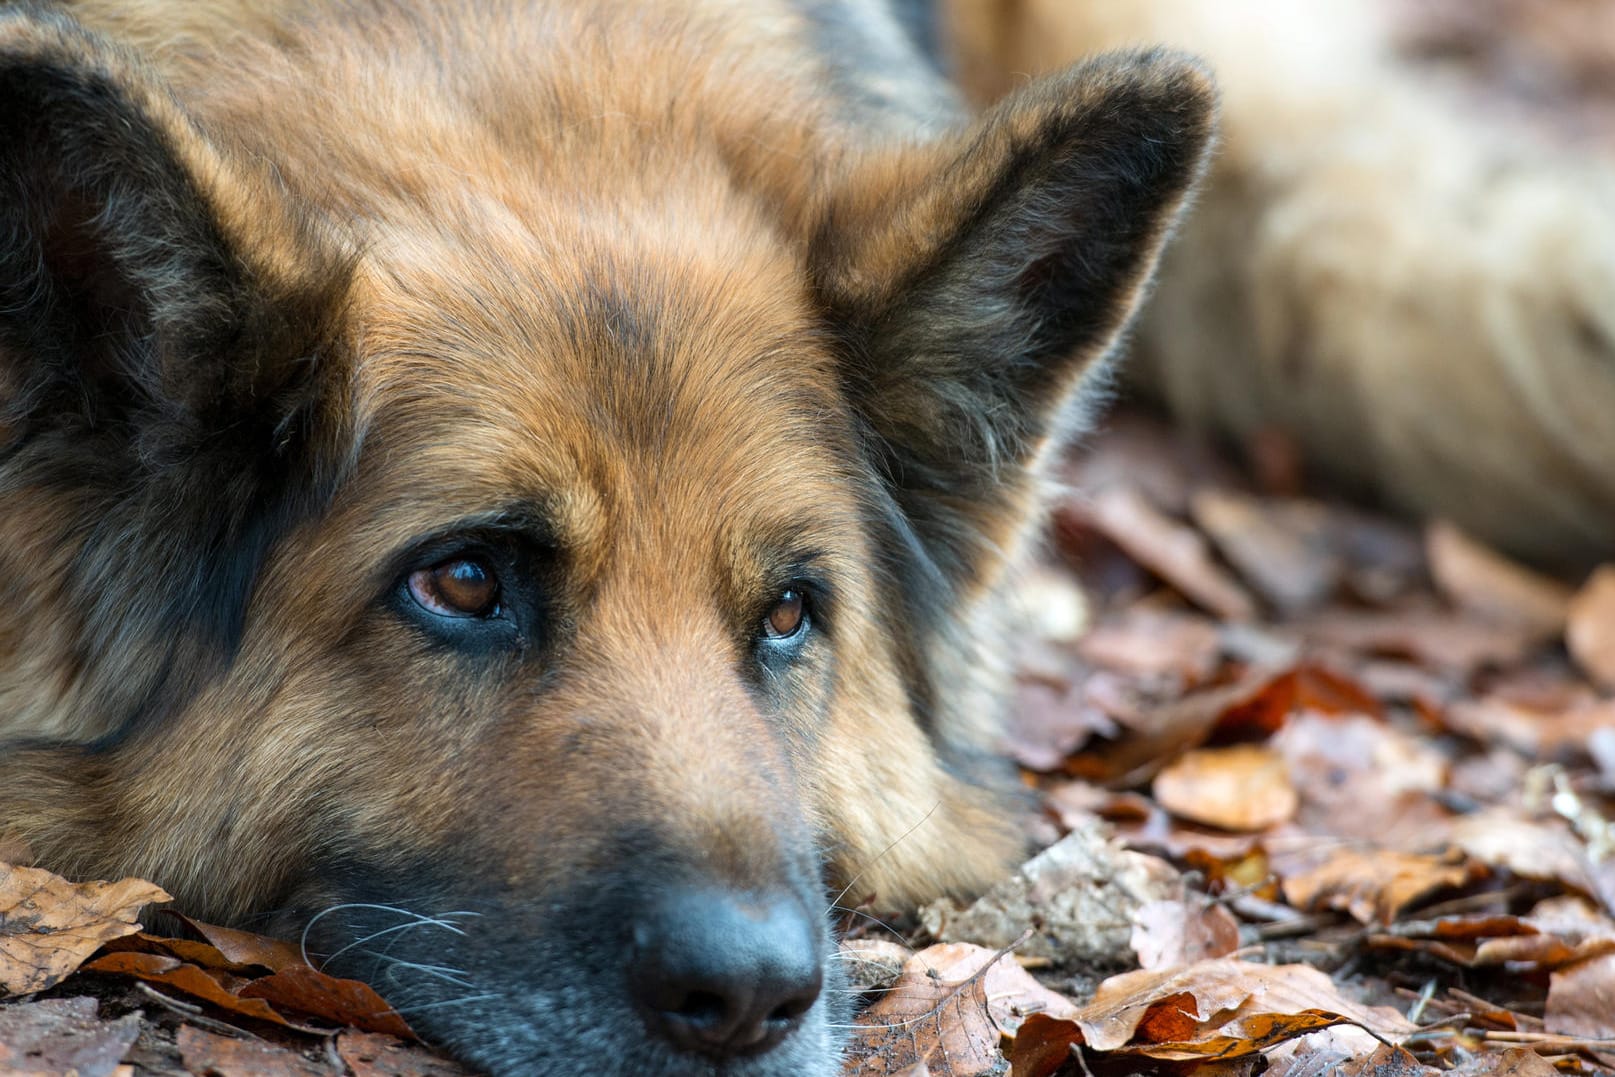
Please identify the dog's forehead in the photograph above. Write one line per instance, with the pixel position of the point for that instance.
(673, 380)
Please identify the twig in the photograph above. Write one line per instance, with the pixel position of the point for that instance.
(192, 1014)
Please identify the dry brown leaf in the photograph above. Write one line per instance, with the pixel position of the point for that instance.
(1367, 780)
(63, 1036)
(1581, 999)
(1340, 1051)
(343, 1002)
(49, 926)
(1013, 994)
(210, 1055)
(1048, 722)
(1146, 639)
(244, 948)
(368, 1054)
(1242, 787)
(872, 964)
(1043, 1045)
(1371, 884)
(1173, 551)
(1386, 1061)
(1517, 1062)
(925, 1018)
(1591, 632)
(1558, 735)
(1495, 941)
(1151, 735)
(1171, 933)
(1287, 550)
(1483, 582)
(1158, 1006)
(1297, 690)
(1533, 848)
(1075, 897)
(1461, 645)
(215, 988)
(1244, 1036)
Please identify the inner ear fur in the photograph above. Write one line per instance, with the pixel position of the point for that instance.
(170, 369)
(980, 281)
(145, 276)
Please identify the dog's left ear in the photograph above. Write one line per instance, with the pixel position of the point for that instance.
(980, 282)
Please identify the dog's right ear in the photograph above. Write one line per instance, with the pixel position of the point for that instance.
(979, 281)
(166, 322)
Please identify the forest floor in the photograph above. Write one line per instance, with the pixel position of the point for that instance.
(1319, 791)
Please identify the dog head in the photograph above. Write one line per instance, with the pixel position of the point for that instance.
(544, 585)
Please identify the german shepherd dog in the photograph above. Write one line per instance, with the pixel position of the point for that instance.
(517, 493)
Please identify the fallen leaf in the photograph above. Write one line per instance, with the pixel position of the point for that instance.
(1489, 585)
(215, 988)
(1518, 1062)
(1239, 787)
(926, 1017)
(243, 947)
(1169, 933)
(1387, 1061)
(1076, 897)
(1363, 779)
(1286, 550)
(210, 1055)
(1447, 641)
(1013, 994)
(1591, 632)
(1299, 689)
(369, 1054)
(1048, 722)
(1146, 640)
(872, 964)
(1043, 1045)
(1551, 736)
(49, 926)
(1153, 1009)
(1371, 884)
(1581, 999)
(342, 1002)
(1151, 735)
(1173, 551)
(1543, 849)
(1344, 1051)
(63, 1036)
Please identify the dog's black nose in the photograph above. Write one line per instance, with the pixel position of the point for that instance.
(726, 974)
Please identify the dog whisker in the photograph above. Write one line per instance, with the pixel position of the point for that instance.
(835, 902)
(413, 919)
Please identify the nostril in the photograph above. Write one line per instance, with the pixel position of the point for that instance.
(726, 975)
(701, 1006)
(790, 1011)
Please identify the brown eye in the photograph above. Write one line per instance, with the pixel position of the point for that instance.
(787, 617)
(463, 587)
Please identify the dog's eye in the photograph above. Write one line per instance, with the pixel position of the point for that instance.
(788, 616)
(459, 587)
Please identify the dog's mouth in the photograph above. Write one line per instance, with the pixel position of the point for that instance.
(673, 980)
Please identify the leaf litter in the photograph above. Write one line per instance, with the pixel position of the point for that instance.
(1320, 793)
